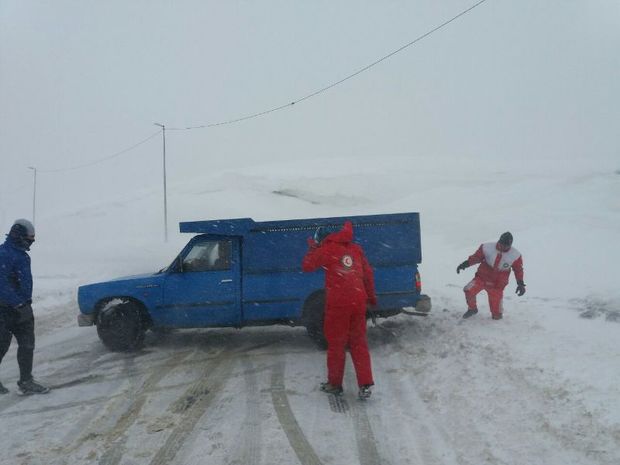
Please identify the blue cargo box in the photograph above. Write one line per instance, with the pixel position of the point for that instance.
(388, 240)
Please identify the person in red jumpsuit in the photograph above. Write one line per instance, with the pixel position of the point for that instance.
(349, 285)
(496, 260)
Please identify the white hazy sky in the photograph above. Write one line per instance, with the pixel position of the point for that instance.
(81, 80)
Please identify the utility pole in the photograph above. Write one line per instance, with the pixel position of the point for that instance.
(163, 131)
(34, 193)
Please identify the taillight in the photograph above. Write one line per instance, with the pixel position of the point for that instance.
(418, 282)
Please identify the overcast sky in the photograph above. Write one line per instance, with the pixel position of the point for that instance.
(82, 80)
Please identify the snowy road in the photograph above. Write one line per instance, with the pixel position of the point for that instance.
(244, 397)
(448, 392)
(238, 397)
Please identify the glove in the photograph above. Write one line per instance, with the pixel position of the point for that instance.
(462, 266)
(312, 243)
(520, 288)
(320, 234)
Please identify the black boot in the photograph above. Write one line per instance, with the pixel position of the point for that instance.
(469, 313)
(365, 392)
(331, 389)
(32, 387)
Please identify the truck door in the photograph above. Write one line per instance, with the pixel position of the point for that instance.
(205, 290)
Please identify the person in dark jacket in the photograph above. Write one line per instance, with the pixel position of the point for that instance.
(16, 317)
(496, 260)
(349, 285)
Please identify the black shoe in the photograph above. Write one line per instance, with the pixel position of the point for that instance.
(469, 313)
(365, 392)
(31, 387)
(331, 389)
(497, 316)
(3, 390)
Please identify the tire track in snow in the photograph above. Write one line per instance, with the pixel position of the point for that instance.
(114, 445)
(80, 403)
(364, 437)
(136, 392)
(250, 437)
(194, 403)
(366, 442)
(87, 358)
(296, 438)
(116, 438)
(86, 361)
(432, 444)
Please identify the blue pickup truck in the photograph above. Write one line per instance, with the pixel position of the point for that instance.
(240, 272)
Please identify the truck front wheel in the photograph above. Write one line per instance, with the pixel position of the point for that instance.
(120, 326)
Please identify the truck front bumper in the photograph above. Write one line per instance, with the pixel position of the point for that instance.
(86, 319)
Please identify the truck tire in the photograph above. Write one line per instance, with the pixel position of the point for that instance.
(120, 327)
(313, 317)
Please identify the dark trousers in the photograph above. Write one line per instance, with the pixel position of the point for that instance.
(12, 323)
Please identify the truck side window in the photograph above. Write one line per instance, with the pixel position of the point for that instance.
(208, 256)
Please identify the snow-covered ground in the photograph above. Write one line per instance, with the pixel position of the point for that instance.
(541, 386)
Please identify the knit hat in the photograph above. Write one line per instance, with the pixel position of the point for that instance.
(506, 239)
(22, 233)
(22, 227)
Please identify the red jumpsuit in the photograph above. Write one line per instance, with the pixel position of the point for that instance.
(349, 285)
(492, 274)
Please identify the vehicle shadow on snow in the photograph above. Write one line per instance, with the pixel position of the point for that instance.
(229, 339)
(275, 339)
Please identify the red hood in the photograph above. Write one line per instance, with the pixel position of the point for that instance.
(345, 235)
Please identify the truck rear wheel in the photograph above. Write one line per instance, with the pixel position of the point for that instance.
(313, 317)
(120, 326)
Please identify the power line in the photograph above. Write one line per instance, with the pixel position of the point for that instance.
(271, 110)
(336, 83)
(101, 160)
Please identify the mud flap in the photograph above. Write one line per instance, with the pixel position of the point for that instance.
(422, 308)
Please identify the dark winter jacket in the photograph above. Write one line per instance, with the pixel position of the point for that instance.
(348, 276)
(15, 275)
